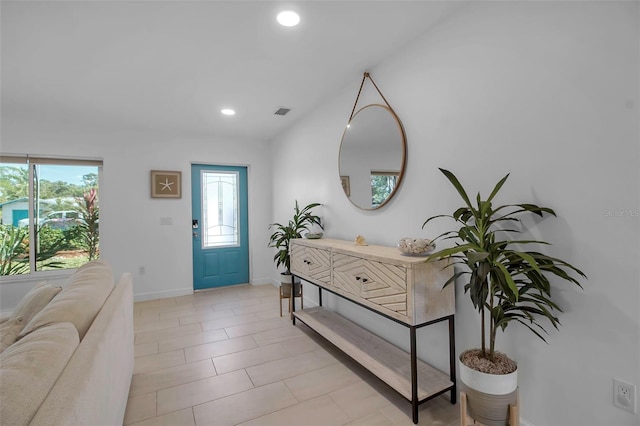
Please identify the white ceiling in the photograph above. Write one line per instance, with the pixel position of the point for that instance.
(170, 66)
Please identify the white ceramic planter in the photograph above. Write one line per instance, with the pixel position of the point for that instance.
(288, 278)
(285, 283)
(489, 395)
(493, 384)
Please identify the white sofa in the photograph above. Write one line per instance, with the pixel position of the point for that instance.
(72, 363)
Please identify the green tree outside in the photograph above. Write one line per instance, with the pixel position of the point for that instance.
(14, 183)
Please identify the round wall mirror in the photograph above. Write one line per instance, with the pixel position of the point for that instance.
(372, 156)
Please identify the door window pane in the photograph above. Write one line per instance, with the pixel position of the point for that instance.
(219, 209)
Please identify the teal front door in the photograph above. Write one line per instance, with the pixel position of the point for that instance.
(219, 225)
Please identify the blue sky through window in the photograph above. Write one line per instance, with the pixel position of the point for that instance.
(70, 174)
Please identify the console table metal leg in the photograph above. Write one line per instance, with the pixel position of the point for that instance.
(452, 358)
(320, 295)
(414, 375)
(293, 299)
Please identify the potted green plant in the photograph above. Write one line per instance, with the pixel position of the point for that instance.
(505, 284)
(302, 220)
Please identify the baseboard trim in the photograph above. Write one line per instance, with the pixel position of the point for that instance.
(310, 303)
(140, 297)
(162, 294)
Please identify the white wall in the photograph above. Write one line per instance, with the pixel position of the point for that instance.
(131, 235)
(547, 91)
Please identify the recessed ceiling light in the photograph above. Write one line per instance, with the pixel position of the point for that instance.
(288, 18)
(228, 111)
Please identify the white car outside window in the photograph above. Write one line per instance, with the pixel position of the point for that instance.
(58, 219)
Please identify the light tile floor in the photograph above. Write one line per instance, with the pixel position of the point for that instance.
(226, 357)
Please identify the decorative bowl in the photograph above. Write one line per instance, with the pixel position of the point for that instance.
(416, 246)
(313, 235)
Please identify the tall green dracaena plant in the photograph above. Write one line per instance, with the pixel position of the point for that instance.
(507, 283)
(283, 234)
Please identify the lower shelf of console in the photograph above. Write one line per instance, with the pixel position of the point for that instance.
(388, 362)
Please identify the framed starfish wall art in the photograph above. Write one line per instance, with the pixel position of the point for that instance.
(166, 184)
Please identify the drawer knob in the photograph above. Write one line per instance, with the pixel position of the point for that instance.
(364, 280)
(357, 278)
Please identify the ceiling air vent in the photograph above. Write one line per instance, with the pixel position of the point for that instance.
(282, 111)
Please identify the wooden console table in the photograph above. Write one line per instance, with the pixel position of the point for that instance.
(404, 289)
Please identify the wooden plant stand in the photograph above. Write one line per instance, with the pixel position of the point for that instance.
(467, 420)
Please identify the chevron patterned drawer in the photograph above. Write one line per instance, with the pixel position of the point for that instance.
(345, 270)
(381, 284)
(312, 264)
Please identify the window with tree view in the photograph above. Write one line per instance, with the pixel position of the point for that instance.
(382, 185)
(49, 214)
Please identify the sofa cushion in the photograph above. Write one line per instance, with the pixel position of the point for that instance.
(32, 303)
(9, 331)
(30, 367)
(79, 301)
(35, 300)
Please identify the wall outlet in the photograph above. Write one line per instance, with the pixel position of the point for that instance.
(624, 395)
